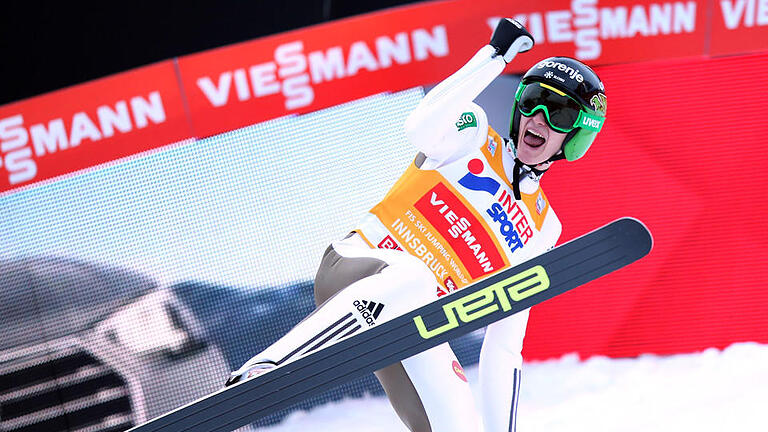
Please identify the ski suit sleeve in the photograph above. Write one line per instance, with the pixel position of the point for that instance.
(432, 126)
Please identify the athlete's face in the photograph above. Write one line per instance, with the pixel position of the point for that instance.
(536, 141)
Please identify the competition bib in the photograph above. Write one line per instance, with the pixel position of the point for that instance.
(461, 219)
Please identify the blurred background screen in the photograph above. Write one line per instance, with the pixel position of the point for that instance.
(170, 175)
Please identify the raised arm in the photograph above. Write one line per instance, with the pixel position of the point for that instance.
(435, 116)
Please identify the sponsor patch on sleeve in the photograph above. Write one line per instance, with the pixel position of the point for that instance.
(466, 120)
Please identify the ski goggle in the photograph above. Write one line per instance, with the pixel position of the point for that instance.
(563, 112)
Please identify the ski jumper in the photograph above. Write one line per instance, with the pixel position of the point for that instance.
(450, 219)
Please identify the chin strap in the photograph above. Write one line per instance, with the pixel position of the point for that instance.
(556, 157)
(516, 178)
(520, 166)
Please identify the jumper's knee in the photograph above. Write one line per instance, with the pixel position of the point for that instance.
(416, 277)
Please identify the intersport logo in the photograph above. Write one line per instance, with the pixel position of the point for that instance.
(294, 72)
(512, 223)
(586, 24)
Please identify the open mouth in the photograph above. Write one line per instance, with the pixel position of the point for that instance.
(533, 138)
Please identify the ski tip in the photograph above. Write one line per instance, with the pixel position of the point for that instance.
(637, 233)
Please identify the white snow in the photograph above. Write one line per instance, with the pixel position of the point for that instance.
(712, 390)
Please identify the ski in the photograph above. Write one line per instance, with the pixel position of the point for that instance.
(563, 268)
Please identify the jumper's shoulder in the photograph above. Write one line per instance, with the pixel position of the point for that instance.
(544, 217)
(451, 139)
(552, 228)
(467, 132)
(471, 127)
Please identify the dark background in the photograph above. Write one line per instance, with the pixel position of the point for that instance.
(45, 46)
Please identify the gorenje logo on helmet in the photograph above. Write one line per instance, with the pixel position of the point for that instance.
(513, 224)
(571, 72)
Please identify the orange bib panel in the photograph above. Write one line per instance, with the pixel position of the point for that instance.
(461, 218)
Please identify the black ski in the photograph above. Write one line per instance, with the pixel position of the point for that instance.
(563, 268)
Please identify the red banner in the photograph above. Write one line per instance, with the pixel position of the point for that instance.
(325, 65)
(695, 174)
(322, 66)
(90, 124)
(739, 26)
(600, 32)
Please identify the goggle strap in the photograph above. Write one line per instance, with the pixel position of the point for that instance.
(520, 89)
(589, 121)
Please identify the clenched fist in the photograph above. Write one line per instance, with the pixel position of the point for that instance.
(510, 38)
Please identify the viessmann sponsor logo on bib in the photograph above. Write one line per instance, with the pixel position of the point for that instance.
(463, 231)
